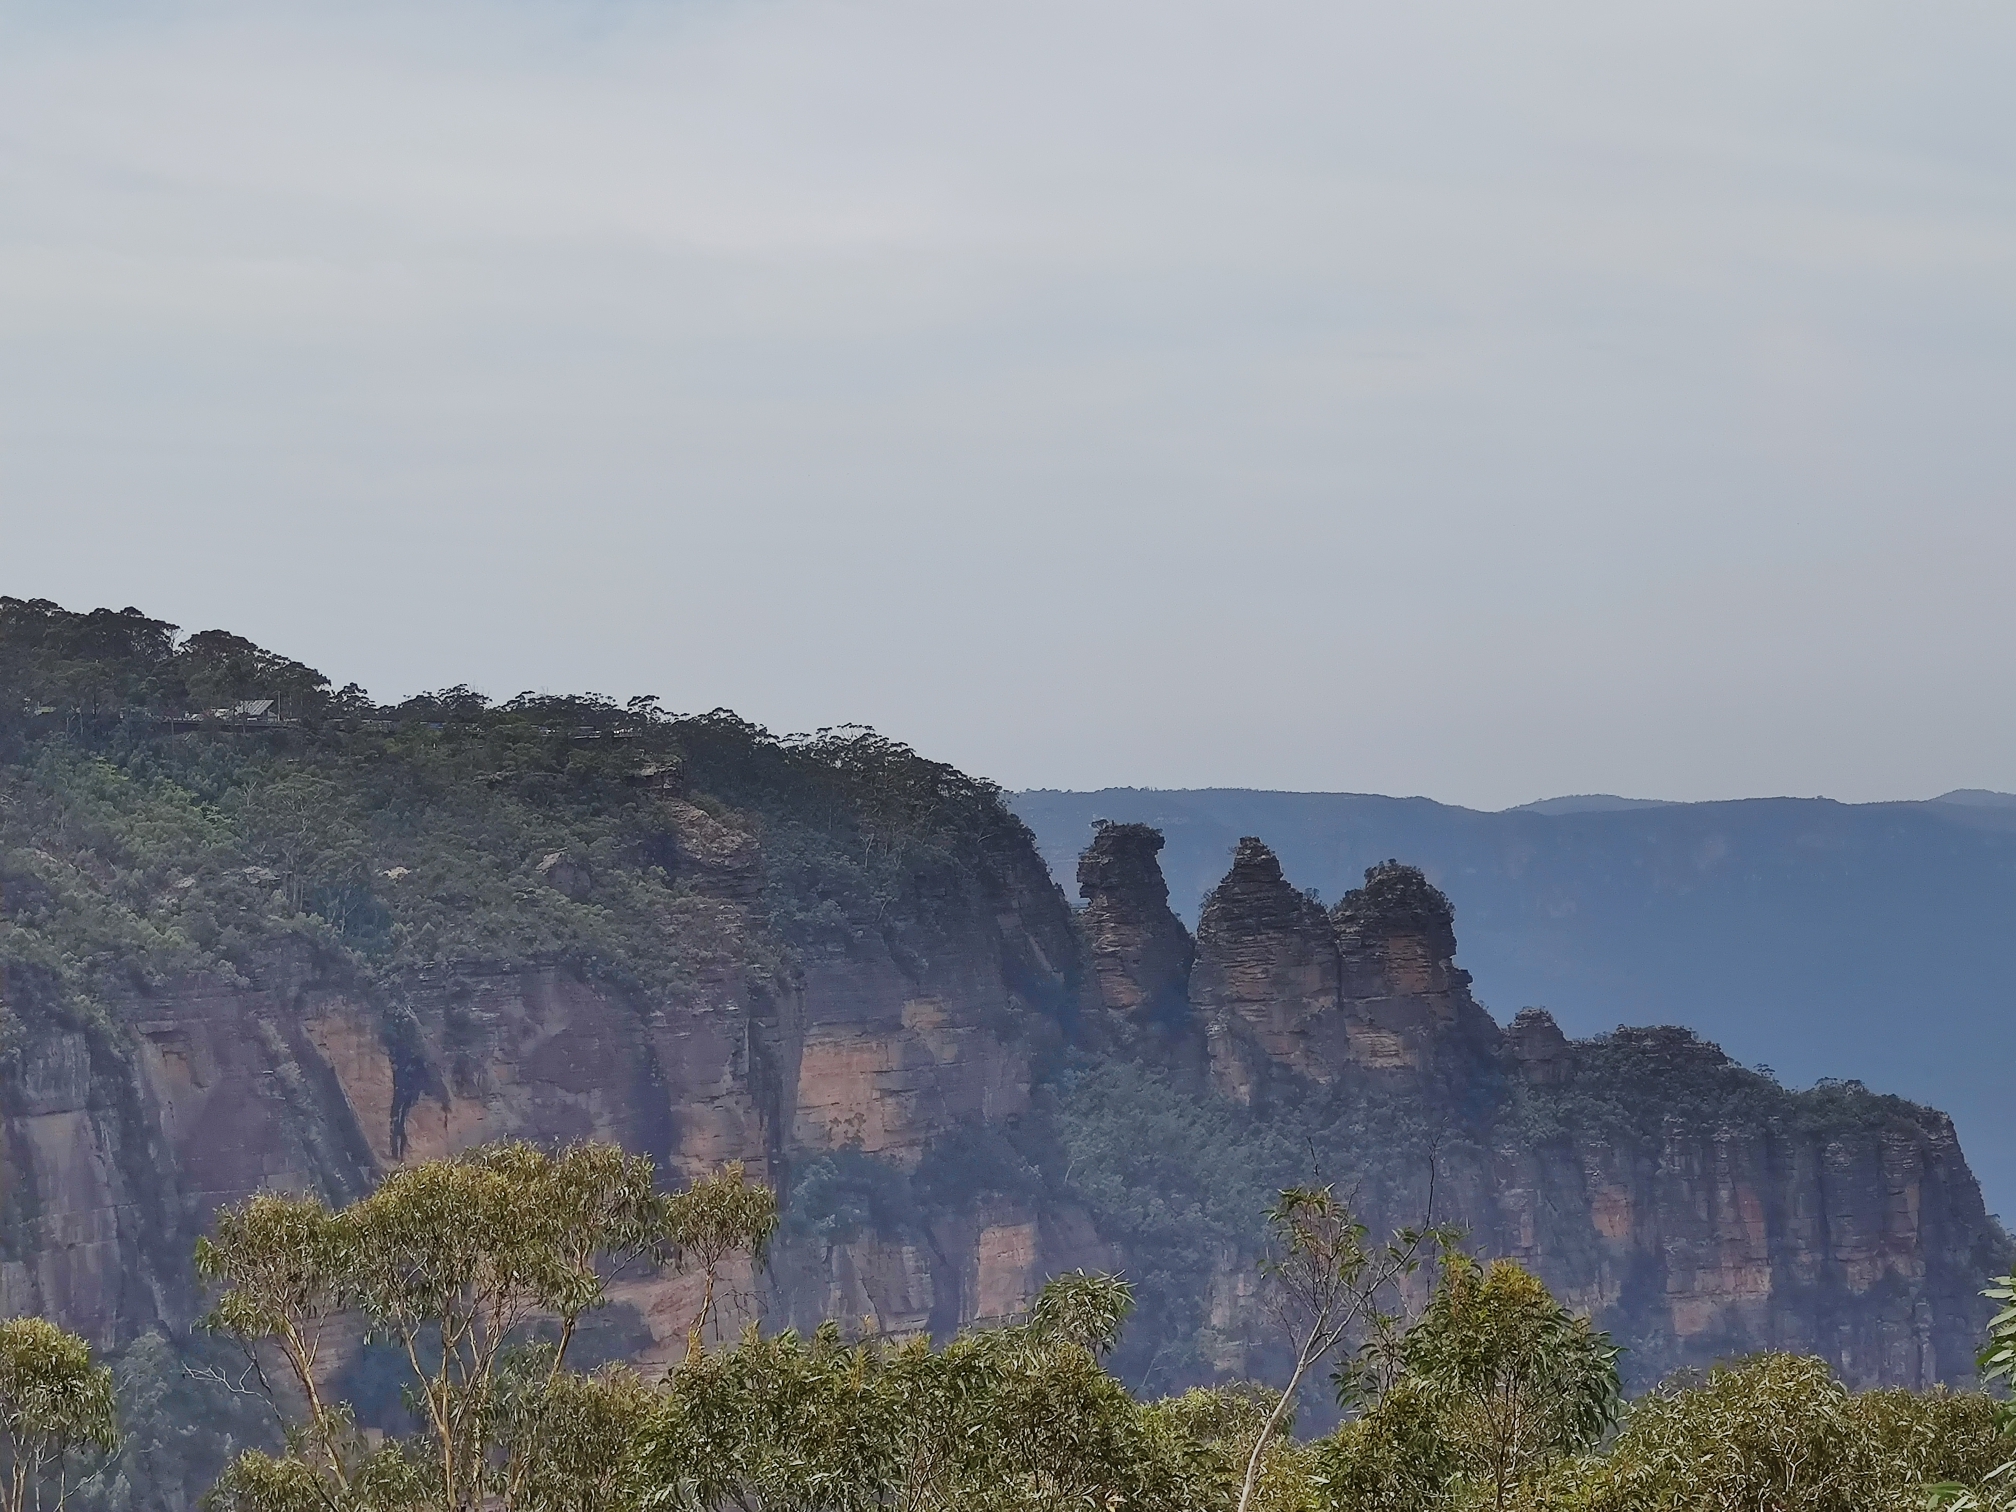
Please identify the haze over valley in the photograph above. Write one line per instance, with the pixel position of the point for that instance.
(1060, 756)
(1873, 941)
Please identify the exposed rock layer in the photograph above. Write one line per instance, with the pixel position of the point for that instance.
(1140, 952)
(1862, 1239)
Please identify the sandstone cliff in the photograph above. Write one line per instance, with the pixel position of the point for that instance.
(299, 957)
(1690, 1206)
(1140, 952)
(1693, 1207)
(126, 1133)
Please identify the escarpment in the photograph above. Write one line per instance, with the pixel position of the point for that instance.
(907, 1079)
(1695, 1208)
(297, 954)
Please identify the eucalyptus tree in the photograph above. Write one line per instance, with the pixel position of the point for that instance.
(1778, 1431)
(55, 1412)
(1325, 1283)
(455, 1264)
(1496, 1383)
(1020, 1418)
(1997, 1364)
(716, 1218)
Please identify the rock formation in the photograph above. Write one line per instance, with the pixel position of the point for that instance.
(1140, 951)
(900, 1076)
(1373, 984)
(1691, 1206)
(1406, 999)
(1266, 979)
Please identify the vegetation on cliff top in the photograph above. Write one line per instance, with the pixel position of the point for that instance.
(155, 820)
(150, 827)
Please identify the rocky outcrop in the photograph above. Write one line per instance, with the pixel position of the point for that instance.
(1538, 1045)
(1405, 1001)
(1266, 981)
(1372, 985)
(1140, 952)
(1691, 1206)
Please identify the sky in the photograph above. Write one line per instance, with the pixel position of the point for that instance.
(1457, 398)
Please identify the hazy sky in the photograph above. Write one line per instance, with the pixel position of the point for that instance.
(1475, 399)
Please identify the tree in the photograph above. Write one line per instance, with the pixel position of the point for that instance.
(1398, 1457)
(1326, 1283)
(454, 1263)
(454, 1259)
(298, 821)
(722, 1215)
(585, 1430)
(1015, 1419)
(55, 1410)
(1520, 1382)
(1780, 1432)
(1996, 1490)
(1085, 1308)
(1207, 1432)
(782, 1423)
(285, 1263)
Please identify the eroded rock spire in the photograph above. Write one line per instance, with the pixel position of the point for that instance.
(1140, 951)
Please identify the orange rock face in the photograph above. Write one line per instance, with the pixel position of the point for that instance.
(1858, 1236)
(869, 1051)
(875, 1043)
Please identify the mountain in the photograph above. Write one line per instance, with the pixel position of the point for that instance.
(1822, 939)
(1588, 803)
(257, 933)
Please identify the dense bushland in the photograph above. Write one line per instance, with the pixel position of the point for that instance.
(1464, 1385)
(147, 829)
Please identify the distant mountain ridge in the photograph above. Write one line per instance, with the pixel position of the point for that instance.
(1978, 798)
(312, 940)
(1588, 803)
(1873, 941)
(1609, 803)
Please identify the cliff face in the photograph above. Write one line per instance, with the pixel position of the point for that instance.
(1630, 1173)
(1692, 1207)
(850, 970)
(1859, 1238)
(121, 1142)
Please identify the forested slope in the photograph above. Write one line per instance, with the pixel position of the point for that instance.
(304, 945)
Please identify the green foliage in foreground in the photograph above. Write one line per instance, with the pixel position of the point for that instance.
(1778, 1431)
(1490, 1390)
(55, 1413)
(1489, 1394)
(454, 1263)
(478, 1270)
